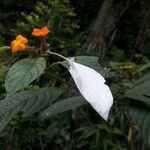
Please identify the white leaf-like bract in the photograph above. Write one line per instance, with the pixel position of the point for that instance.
(93, 88)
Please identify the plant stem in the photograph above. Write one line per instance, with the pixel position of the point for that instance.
(130, 138)
(53, 53)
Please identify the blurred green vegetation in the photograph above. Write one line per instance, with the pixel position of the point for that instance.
(126, 58)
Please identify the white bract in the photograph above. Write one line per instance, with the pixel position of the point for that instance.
(92, 86)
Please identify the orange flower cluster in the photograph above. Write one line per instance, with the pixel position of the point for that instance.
(40, 32)
(19, 44)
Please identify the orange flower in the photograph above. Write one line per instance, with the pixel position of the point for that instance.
(40, 32)
(22, 39)
(19, 44)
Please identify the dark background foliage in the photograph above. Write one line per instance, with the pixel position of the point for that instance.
(117, 32)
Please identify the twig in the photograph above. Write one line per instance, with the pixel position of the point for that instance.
(53, 53)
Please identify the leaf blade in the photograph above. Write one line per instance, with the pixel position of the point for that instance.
(23, 73)
(62, 106)
(141, 116)
(27, 102)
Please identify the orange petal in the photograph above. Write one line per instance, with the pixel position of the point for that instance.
(22, 39)
(36, 32)
(40, 32)
(16, 46)
(45, 31)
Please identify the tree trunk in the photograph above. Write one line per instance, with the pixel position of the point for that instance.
(104, 27)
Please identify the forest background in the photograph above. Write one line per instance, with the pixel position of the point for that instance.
(111, 36)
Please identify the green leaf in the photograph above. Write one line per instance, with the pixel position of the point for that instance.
(9, 107)
(40, 100)
(23, 73)
(141, 116)
(27, 102)
(144, 78)
(62, 106)
(118, 54)
(140, 92)
(90, 61)
(114, 64)
(93, 62)
(4, 48)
